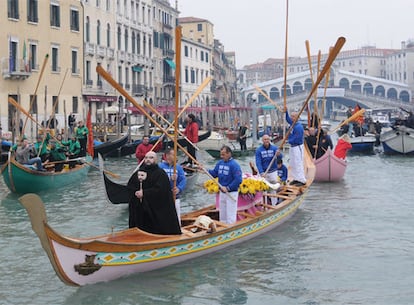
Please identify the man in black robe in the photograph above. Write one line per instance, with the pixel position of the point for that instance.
(151, 203)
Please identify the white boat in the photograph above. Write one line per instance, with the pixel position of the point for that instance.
(215, 141)
(398, 140)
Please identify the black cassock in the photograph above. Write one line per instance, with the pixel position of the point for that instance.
(155, 212)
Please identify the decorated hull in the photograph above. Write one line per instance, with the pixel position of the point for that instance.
(22, 179)
(399, 140)
(83, 261)
(91, 260)
(329, 168)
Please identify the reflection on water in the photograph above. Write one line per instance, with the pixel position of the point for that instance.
(347, 244)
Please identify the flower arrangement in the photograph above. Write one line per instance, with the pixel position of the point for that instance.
(249, 186)
(211, 186)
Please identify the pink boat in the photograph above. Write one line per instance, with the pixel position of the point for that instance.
(329, 168)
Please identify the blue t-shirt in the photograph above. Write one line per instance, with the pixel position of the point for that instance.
(264, 156)
(229, 174)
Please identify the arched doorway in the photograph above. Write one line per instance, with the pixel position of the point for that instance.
(368, 89)
(344, 83)
(380, 91)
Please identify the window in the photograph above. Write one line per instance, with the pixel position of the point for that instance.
(74, 20)
(74, 104)
(133, 45)
(13, 9)
(75, 62)
(54, 15)
(13, 56)
(126, 40)
(98, 33)
(98, 3)
(206, 57)
(88, 72)
(33, 101)
(119, 38)
(201, 55)
(192, 76)
(200, 27)
(108, 35)
(186, 51)
(108, 5)
(55, 53)
(87, 30)
(156, 39)
(32, 12)
(138, 44)
(186, 75)
(33, 57)
(55, 104)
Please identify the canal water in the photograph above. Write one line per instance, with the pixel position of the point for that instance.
(351, 242)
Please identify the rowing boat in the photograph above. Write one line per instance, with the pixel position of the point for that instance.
(106, 148)
(82, 261)
(25, 179)
(363, 144)
(130, 148)
(329, 168)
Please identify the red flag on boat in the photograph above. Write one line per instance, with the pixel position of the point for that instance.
(89, 147)
(359, 119)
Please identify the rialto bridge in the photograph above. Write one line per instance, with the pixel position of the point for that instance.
(344, 89)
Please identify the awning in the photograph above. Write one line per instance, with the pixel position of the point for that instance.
(136, 68)
(112, 110)
(101, 98)
(170, 63)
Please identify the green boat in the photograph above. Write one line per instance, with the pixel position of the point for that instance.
(215, 153)
(23, 179)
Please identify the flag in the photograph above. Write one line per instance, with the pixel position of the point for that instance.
(360, 118)
(89, 147)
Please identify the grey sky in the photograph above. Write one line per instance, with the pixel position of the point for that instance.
(255, 30)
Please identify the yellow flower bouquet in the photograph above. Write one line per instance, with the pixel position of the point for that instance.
(211, 186)
(249, 186)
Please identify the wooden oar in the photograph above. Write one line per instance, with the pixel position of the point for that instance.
(348, 120)
(268, 98)
(121, 90)
(193, 97)
(286, 56)
(14, 103)
(105, 171)
(52, 116)
(335, 51)
(35, 92)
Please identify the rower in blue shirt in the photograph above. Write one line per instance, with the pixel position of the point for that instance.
(229, 176)
(168, 166)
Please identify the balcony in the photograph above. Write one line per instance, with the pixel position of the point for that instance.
(167, 26)
(168, 53)
(89, 49)
(121, 55)
(110, 53)
(100, 51)
(15, 68)
(168, 79)
(138, 90)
